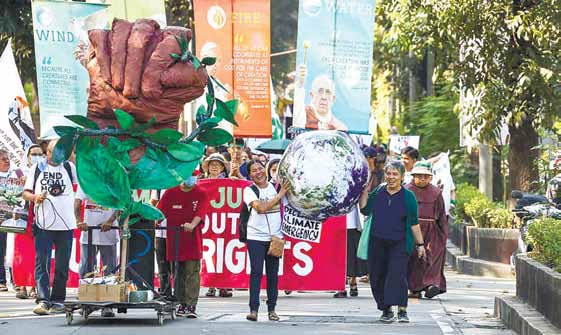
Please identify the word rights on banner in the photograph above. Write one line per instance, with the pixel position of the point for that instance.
(303, 267)
(299, 227)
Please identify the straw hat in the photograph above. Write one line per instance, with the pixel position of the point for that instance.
(422, 167)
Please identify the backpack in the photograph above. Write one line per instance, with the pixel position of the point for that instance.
(245, 214)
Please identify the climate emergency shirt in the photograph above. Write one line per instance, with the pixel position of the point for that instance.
(181, 207)
(57, 211)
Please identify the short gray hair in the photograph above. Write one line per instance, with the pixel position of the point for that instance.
(395, 165)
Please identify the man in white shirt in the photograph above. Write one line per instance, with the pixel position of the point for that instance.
(49, 187)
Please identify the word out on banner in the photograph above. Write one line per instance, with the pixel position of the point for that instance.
(237, 33)
(303, 266)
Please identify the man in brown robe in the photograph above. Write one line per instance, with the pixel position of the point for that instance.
(428, 274)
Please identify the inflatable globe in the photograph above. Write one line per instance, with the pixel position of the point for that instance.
(327, 172)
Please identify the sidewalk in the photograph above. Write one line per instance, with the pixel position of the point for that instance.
(467, 308)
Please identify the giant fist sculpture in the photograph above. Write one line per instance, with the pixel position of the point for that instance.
(130, 68)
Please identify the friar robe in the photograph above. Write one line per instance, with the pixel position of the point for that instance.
(433, 222)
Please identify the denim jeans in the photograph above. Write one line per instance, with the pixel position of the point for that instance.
(257, 256)
(108, 259)
(44, 241)
(3, 245)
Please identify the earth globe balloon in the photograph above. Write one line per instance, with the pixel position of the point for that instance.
(326, 171)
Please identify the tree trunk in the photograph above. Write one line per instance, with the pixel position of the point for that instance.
(523, 170)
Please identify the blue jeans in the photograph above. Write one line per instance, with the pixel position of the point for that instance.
(108, 258)
(257, 256)
(3, 245)
(44, 241)
(387, 265)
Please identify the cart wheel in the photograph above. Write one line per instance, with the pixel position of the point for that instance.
(161, 319)
(173, 313)
(69, 318)
(87, 312)
(122, 310)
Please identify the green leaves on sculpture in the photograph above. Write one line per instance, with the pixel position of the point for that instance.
(101, 176)
(159, 170)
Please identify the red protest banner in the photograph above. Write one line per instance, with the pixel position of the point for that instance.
(305, 265)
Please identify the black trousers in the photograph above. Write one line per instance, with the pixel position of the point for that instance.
(387, 265)
(165, 268)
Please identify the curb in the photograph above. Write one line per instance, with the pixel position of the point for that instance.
(476, 267)
(522, 318)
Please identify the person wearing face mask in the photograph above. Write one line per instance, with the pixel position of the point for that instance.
(185, 206)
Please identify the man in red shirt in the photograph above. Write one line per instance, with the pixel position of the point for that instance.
(185, 206)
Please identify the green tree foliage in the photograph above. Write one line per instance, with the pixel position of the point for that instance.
(435, 120)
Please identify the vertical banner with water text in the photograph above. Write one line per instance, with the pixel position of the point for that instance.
(237, 33)
(60, 32)
(334, 65)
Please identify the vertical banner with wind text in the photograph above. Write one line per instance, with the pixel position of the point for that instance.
(60, 32)
(237, 33)
(334, 65)
(306, 264)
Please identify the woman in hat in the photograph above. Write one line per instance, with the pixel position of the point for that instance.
(214, 166)
(428, 275)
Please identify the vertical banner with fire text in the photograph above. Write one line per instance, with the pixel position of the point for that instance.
(237, 33)
(334, 65)
(60, 32)
(306, 264)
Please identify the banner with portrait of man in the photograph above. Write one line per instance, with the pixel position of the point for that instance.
(334, 65)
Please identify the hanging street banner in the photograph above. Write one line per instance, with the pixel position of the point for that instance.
(17, 133)
(334, 65)
(303, 266)
(60, 33)
(237, 34)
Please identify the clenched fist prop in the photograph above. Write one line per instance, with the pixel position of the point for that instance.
(130, 68)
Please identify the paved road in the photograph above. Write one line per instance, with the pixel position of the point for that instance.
(467, 309)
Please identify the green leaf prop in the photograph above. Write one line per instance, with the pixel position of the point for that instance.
(215, 136)
(211, 123)
(187, 152)
(140, 128)
(126, 121)
(119, 151)
(196, 63)
(146, 211)
(63, 148)
(208, 61)
(101, 176)
(224, 111)
(65, 130)
(166, 136)
(82, 121)
(159, 170)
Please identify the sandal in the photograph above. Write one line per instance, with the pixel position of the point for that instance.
(211, 292)
(354, 291)
(273, 316)
(340, 294)
(33, 293)
(22, 293)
